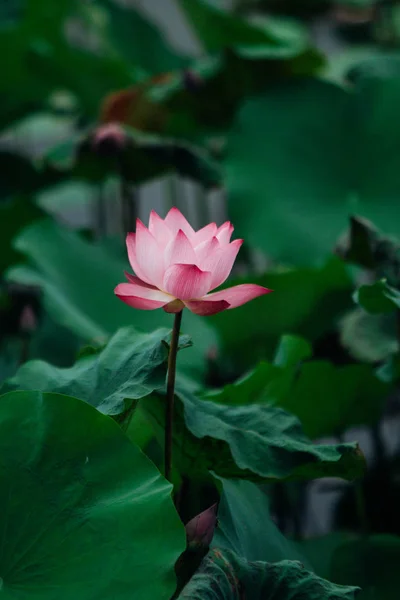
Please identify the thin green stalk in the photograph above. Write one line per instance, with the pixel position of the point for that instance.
(359, 499)
(169, 416)
(130, 206)
(202, 210)
(281, 506)
(361, 507)
(25, 348)
(378, 445)
(175, 194)
(171, 191)
(101, 212)
(398, 325)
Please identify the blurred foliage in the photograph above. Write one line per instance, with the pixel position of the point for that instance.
(369, 562)
(290, 112)
(309, 302)
(226, 575)
(247, 539)
(134, 156)
(378, 298)
(351, 395)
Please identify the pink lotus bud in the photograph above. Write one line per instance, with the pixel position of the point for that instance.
(27, 323)
(109, 139)
(192, 81)
(200, 530)
(212, 353)
(177, 267)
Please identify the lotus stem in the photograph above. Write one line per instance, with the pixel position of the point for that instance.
(169, 417)
(100, 212)
(130, 206)
(361, 507)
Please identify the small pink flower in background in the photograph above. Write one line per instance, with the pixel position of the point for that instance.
(177, 267)
(109, 138)
(200, 529)
(28, 320)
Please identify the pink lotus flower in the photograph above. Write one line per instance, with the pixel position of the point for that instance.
(200, 529)
(176, 266)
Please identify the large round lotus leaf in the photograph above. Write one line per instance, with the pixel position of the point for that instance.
(304, 156)
(84, 515)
